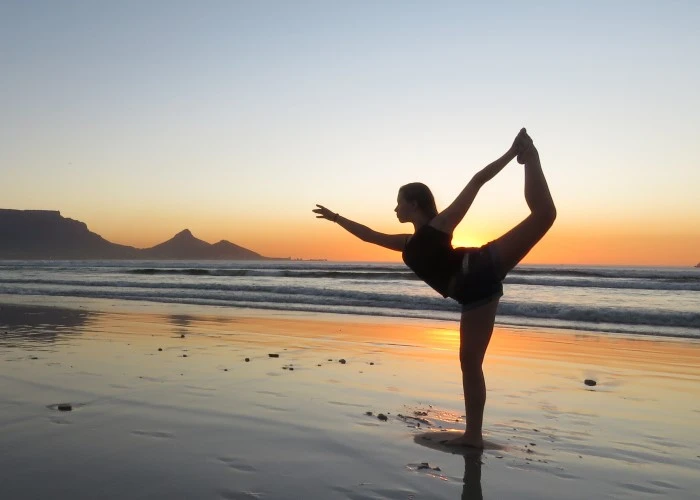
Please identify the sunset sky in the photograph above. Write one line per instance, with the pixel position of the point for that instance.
(233, 119)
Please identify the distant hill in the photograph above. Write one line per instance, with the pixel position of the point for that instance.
(45, 234)
(185, 246)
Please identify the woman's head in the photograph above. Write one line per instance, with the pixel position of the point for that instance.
(418, 196)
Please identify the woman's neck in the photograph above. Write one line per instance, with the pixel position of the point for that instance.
(419, 221)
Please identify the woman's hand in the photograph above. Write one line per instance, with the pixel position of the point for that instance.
(323, 213)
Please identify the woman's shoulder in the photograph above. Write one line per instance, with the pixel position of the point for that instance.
(429, 233)
(436, 230)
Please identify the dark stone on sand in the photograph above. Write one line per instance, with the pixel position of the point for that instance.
(274, 355)
(426, 465)
(184, 355)
(247, 360)
(369, 413)
(371, 362)
(64, 407)
(342, 361)
(160, 349)
(590, 382)
(382, 417)
(182, 335)
(291, 368)
(34, 357)
(225, 369)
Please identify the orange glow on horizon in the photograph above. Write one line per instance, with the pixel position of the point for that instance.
(313, 239)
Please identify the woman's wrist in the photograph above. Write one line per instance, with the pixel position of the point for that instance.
(335, 217)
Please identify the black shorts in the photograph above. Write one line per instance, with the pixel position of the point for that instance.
(479, 280)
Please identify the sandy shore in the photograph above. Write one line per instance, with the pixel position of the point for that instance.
(165, 405)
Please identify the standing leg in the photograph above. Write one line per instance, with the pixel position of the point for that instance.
(513, 246)
(475, 329)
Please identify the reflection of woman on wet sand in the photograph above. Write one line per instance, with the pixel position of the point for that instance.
(471, 276)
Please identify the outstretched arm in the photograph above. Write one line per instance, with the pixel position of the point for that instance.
(390, 241)
(449, 218)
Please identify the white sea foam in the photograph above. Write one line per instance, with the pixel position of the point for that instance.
(653, 301)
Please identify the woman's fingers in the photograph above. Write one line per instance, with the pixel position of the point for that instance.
(323, 212)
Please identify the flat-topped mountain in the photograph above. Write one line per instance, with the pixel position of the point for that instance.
(46, 234)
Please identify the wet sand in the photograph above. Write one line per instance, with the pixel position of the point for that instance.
(164, 405)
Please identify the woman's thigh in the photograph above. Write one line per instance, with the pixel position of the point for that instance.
(475, 328)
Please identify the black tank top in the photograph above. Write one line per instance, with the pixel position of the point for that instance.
(430, 255)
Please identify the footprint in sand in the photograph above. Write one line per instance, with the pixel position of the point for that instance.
(155, 434)
(240, 495)
(59, 421)
(237, 464)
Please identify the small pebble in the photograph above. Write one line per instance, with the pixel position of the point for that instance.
(342, 361)
(382, 417)
(184, 355)
(160, 348)
(371, 363)
(368, 413)
(225, 369)
(274, 355)
(247, 360)
(182, 335)
(65, 407)
(590, 382)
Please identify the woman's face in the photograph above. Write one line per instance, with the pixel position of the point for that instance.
(403, 208)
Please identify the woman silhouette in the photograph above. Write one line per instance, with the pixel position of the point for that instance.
(471, 276)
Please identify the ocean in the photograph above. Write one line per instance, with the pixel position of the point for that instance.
(650, 301)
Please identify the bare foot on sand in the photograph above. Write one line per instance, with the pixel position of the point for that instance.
(467, 442)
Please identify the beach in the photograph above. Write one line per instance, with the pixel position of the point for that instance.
(115, 399)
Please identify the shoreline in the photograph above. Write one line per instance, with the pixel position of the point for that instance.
(128, 306)
(196, 420)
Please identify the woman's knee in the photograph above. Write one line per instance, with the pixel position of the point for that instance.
(549, 215)
(470, 362)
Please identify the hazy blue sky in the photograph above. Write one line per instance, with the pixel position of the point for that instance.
(234, 118)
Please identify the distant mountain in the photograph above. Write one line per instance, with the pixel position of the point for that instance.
(45, 234)
(185, 246)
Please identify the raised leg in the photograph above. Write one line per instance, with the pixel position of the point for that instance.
(513, 246)
(475, 329)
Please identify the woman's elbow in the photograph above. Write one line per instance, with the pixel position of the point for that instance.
(478, 180)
